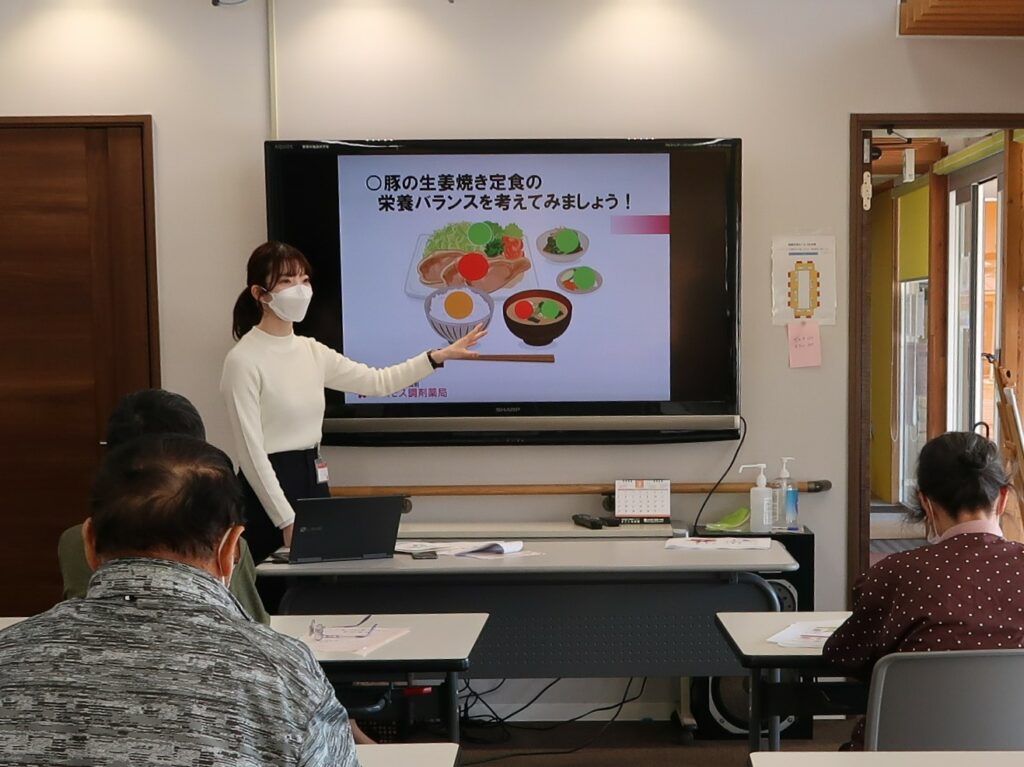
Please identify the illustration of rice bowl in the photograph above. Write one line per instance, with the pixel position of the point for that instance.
(454, 311)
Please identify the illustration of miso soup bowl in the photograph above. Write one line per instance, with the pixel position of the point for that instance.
(536, 329)
(438, 304)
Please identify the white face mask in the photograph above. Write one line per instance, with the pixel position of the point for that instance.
(929, 526)
(291, 303)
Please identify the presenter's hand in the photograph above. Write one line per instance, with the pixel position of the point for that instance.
(287, 533)
(461, 349)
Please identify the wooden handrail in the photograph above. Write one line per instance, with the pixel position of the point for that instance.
(362, 491)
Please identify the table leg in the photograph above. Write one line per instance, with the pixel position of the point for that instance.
(754, 717)
(452, 683)
(773, 722)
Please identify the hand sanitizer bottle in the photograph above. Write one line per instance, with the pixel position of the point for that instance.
(785, 499)
(760, 501)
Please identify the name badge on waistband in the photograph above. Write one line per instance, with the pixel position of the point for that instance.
(322, 476)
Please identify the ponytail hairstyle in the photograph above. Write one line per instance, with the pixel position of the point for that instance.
(267, 265)
(961, 472)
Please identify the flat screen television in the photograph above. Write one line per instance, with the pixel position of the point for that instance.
(615, 261)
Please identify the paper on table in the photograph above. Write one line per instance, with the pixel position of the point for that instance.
(355, 640)
(459, 548)
(725, 543)
(495, 555)
(807, 634)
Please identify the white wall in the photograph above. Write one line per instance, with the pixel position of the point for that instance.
(783, 76)
(201, 72)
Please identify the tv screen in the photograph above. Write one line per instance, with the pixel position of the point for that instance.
(605, 270)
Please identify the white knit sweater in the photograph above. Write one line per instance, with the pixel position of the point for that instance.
(274, 390)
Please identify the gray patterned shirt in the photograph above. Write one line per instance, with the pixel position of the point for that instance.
(159, 665)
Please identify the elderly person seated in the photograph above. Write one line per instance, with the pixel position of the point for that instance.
(153, 411)
(965, 591)
(158, 664)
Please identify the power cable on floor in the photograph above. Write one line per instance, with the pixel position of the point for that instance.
(618, 706)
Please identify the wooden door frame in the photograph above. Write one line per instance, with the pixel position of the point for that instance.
(145, 124)
(859, 397)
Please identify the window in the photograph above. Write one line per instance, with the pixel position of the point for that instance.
(975, 298)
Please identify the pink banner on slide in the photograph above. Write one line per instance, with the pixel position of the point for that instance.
(640, 225)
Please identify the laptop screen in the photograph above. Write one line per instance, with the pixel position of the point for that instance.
(329, 529)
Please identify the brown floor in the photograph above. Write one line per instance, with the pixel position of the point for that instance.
(631, 744)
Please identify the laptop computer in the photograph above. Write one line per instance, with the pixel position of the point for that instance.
(329, 529)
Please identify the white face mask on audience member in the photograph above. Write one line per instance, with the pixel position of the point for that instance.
(929, 521)
(225, 564)
(291, 303)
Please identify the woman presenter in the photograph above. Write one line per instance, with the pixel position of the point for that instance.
(273, 384)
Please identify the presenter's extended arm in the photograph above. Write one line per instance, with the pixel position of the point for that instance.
(343, 374)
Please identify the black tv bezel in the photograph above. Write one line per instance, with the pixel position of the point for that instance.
(505, 423)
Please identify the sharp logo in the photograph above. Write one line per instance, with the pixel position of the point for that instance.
(507, 409)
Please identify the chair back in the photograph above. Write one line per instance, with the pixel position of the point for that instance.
(960, 700)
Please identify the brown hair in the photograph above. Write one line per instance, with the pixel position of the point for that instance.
(267, 265)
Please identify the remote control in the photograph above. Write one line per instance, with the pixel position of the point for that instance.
(587, 520)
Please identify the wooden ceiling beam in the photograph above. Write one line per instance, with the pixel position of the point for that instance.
(926, 152)
(962, 17)
(962, 7)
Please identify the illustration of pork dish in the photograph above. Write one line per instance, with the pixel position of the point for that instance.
(481, 255)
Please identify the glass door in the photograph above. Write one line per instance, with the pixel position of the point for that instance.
(975, 302)
(913, 410)
(990, 310)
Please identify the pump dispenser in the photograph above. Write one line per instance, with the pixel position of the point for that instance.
(760, 501)
(785, 499)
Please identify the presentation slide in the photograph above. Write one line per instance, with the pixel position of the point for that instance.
(560, 255)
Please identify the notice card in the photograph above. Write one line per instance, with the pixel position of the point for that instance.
(804, 344)
(804, 279)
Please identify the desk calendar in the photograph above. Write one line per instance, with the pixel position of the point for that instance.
(643, 499)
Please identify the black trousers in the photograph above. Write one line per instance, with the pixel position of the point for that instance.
(296, 471)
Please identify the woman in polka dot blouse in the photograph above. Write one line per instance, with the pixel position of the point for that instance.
(964, 591)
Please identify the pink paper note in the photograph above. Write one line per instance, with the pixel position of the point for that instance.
(804, 343)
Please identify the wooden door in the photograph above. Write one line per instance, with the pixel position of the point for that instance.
(77, 325)
(858, 497)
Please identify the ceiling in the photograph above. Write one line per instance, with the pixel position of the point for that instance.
(929, 145)
(993, 18)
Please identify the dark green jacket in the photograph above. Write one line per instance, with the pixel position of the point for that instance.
(76, 573)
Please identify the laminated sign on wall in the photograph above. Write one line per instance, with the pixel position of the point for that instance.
(804, 279)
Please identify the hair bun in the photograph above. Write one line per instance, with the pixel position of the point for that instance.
(978, 454)
(973, 459)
